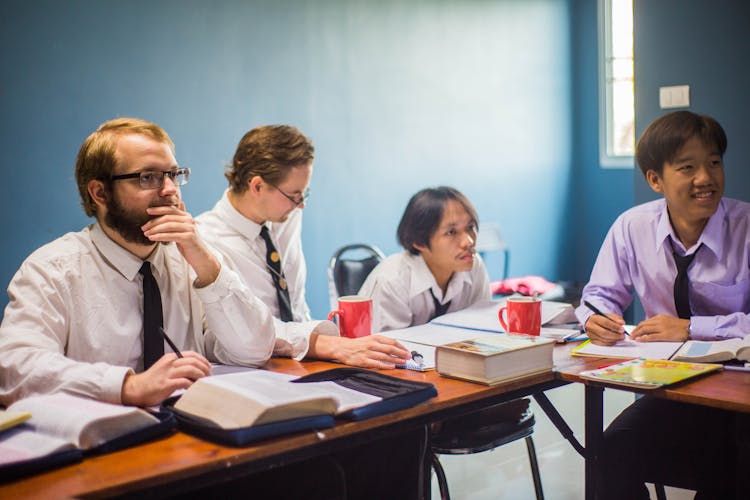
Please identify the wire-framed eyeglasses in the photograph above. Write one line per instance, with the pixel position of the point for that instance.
(154, 179)
(297, 200)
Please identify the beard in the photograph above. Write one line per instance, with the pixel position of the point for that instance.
(128, 223)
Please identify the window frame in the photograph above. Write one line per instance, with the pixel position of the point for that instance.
(606, 135)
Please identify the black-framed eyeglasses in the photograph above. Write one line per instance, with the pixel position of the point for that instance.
(154, 179)
(298, 200)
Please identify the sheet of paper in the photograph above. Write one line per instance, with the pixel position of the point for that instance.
(432, 334)
(483, 316)
(630, 349)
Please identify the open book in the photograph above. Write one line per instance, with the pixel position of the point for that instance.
(720, 350)
(70, 425)
(260, 397)
(237, 408)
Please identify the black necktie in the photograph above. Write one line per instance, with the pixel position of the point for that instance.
(440, 309)
(153, 318)
(273, 262)
(682, 283)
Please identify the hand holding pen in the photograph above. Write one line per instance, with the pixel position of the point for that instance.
(604, 329)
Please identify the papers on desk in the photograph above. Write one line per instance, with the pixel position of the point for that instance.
(629, 349)
(483, 316)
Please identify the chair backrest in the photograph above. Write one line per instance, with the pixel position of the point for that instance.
(347, 274)
(490, 239)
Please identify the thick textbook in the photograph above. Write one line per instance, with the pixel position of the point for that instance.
(63, 428)
(492, 359)
(238, 408)
(711, 351)
(648, 373)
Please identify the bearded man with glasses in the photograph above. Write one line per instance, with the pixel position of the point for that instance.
(84, 308)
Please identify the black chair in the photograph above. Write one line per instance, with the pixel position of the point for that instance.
(349, 267)
(483, 430)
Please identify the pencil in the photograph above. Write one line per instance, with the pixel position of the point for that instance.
(169, 341)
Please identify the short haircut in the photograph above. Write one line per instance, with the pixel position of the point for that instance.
(270, 152)
(665, 136)
(97, 160)
(423, 213)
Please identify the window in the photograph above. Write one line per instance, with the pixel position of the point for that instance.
(616, 84)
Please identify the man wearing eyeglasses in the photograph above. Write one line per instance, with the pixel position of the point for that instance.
(257, 226)
(87, 311)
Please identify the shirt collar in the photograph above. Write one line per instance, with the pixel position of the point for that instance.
(121, 259)
(711, 236)
(424, 280)
(238, 222)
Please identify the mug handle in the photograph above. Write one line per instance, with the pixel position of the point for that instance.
(334, 313)
(500, 317)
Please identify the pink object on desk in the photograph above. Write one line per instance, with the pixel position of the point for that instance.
(527, 285)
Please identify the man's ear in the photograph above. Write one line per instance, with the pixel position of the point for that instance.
(654, 180)
(255, 184)
(98, 192)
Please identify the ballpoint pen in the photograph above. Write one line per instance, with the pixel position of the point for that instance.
(169, 341)
(599, 313)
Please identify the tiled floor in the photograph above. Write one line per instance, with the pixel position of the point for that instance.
(504, 473)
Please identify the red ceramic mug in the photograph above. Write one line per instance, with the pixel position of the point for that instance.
(524, 315)
(354, 316)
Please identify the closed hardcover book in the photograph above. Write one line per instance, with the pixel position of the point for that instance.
(492, 359)
(648, 373)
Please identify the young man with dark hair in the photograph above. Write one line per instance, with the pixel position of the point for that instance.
(86, 310)
(257, 226)
(687, 256)
(438, 271)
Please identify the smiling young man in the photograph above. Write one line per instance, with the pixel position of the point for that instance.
(85, 310)
(257, 226)
(437, 272)
(687, 257)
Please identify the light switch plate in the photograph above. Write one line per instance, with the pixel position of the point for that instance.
(677, 96)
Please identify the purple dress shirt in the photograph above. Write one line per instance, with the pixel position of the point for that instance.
(636, 256)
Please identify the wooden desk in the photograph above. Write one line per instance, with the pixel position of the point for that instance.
(728, 390)
(162, 467)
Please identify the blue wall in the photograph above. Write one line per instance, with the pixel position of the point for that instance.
(396, 95)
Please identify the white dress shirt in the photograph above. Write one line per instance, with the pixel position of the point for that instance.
(74, 321)
(239, 241)
(400, 290)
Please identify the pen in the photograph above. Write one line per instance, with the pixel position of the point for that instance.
(169, 341)
(736, 368)
(599, 313)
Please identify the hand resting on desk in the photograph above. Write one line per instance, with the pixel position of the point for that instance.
(168, 374)
(372, 351)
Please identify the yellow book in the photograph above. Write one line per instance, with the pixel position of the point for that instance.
(10, 419)
(649, 373)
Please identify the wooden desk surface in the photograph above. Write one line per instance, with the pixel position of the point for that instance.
(728, 390)
(168, 462)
